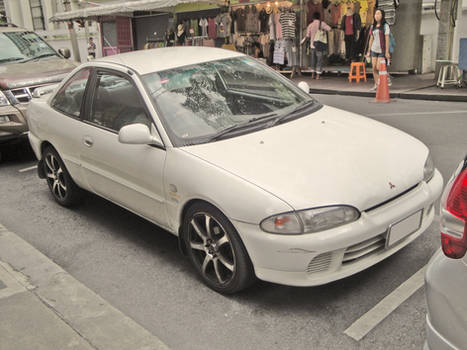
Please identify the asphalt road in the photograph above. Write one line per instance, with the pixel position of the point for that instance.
(137, 267)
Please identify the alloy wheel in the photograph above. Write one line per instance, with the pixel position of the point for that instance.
(55, 176)
(211, 248)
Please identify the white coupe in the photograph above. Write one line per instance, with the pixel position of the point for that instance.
(255, 177)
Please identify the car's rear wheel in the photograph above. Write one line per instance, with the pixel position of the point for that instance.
(216, 250)
(61, 185)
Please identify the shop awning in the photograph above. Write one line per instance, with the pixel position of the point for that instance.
(123, 9)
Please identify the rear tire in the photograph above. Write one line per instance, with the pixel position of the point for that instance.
(216, 250)
(61, 185)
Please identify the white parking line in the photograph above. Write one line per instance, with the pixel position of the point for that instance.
(372, 318)
(27, 169)
(417, 113)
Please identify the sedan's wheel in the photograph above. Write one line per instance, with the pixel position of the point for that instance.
(62, 186)
(216, 250)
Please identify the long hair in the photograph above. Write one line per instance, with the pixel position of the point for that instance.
(383, 19)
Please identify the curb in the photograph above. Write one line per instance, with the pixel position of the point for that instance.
(88, 314)
(394, 95)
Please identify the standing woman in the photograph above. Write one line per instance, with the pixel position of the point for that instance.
(317, 52)
(379, 44)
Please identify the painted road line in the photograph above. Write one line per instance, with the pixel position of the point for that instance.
(372, 318)
(28, 169)
(416, 113)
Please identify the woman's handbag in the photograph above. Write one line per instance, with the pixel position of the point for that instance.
(321, 39)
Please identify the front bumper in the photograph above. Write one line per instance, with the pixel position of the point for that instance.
(320, 258)
(17, 127)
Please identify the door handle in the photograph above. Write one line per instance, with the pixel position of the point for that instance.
(88, 142)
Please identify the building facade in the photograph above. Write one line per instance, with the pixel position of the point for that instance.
(35, 14)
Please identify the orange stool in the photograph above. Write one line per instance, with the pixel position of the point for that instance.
(357, 71)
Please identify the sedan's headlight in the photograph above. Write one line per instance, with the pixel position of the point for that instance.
(310, 220)
(3, 100)
(429, 169)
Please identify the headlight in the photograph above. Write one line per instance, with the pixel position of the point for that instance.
(429, 169)
(310, 220)
(3, 100)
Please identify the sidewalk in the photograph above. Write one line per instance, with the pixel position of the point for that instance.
(416, 87)
(42, 307)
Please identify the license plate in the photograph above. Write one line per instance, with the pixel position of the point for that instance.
(403, 228)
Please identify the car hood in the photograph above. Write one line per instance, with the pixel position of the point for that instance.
(42, 71)
(328, 157)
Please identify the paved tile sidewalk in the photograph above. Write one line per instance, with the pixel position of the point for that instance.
(421, 87)
(42, 307)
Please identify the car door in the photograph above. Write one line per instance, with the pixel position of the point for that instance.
(129, 175)
(63, 125)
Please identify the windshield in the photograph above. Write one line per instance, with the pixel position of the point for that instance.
(200, 101)
(22, 46)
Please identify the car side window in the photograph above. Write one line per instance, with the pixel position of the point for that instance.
(70, 97)
(116, 103)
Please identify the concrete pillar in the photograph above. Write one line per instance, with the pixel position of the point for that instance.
(406, 31)
(445, 33)
(13, 13)
(48, 11)
(27, 15)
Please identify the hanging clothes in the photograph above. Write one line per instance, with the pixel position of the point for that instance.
(314, 6)
(336, 14)
(223, 22)
(212, 28)
(278, 26)
(240, 20)
(252, 20)
(287, 19)
(263, 21)
(203, 23)
(279, 52)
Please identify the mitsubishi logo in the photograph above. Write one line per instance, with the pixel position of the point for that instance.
(391, 186)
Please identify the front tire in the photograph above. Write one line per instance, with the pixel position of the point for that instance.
(61, 185)
(216, 250)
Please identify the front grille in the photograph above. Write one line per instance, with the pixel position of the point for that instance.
(24, 95)
(361, 250)
(320, 263)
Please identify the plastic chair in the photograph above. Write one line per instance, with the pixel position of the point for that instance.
(357, 71)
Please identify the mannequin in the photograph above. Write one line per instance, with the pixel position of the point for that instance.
(351, 24)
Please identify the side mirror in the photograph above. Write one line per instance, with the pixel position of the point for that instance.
(40, 91)
(304, 86)
(138, 134)
(64, 52)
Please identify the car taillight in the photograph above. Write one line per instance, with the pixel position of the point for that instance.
(453, 219)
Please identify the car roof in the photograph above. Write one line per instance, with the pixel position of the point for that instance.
(160, 59)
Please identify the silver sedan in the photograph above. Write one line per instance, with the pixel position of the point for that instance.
(446, 275)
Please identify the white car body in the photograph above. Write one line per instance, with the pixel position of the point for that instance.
(329, 157)
(446, 290)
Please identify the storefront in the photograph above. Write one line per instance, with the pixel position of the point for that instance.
(269, 30)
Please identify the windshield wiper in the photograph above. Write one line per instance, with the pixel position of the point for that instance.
(38, 57)
(236, 127)
(299, 108)
(10, 59)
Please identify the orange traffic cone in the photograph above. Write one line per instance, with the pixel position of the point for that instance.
(382, 91)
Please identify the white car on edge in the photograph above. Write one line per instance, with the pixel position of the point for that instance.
(446, 275)
(253, 175)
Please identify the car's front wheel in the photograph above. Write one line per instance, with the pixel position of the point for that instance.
(61, 185)
(216, 250)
